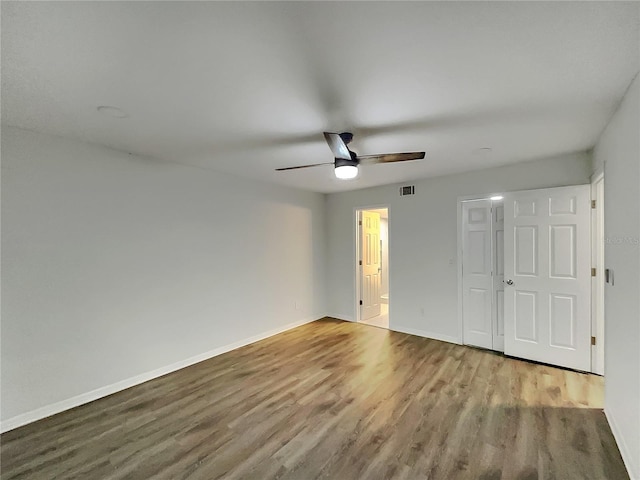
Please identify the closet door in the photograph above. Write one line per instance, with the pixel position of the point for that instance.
(548, 276)
(477, 280)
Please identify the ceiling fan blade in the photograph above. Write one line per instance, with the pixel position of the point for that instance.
(303, 166)
(337, 145)
(391, 157)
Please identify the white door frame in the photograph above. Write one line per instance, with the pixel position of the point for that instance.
(597, 281)
(356, 270)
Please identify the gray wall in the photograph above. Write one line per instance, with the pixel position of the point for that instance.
(115, 267)
(619, 151)
(423, 240)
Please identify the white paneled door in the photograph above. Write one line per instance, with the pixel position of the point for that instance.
(547, 269)
(476, 273)
(371, 267)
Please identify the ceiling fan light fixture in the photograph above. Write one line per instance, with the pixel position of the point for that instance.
(346, 172)
(346, 161)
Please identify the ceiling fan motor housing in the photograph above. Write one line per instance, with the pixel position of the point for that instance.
(346, 137)
(341, 162)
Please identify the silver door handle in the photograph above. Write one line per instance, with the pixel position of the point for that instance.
(509, 282)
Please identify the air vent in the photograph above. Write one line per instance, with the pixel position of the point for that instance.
(408, 190)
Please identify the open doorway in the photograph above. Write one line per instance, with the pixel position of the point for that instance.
(372, 266)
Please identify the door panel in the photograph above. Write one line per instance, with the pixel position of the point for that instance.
(547, 258)
(477, 285)
(562, 262)
(479, 305)
(525, 208)
(526, 250)
(562, 205)
(500, 317)
(371, 267)
(563, 320)
(526, 316)
(477, 244)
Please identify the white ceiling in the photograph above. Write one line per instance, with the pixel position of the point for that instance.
(248, 87)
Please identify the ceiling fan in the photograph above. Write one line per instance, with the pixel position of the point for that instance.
(346, 162)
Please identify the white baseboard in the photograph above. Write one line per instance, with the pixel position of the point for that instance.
(422, 333)
(341, 317)
(410, 331)
(625, 452)
(48, 410)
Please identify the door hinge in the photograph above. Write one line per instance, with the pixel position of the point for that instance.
(593, 204)
(360, 302)
(593, 272)
(593, 340)
(360, 262)
(360, 222)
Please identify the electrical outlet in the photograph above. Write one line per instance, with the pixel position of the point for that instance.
(422, 311)
(296, 305)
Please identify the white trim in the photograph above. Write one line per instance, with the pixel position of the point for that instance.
(344, 318)
(356, 261)
(52, 409)
(460, 289)
(597, 175)
(597, 251)
(627, 458)
(425, 334)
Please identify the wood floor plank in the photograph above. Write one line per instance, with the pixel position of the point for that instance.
(333, 400)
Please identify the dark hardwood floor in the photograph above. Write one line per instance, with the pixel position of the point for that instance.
(333, 400)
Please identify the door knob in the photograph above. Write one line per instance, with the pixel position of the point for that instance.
(509, 282)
